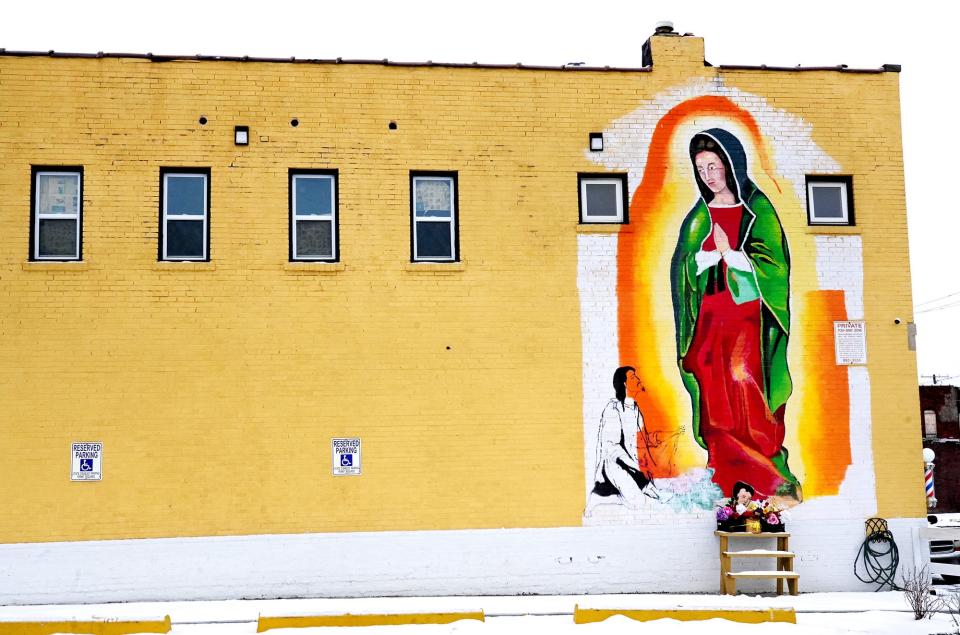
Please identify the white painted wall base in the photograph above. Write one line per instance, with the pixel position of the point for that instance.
(645, 558)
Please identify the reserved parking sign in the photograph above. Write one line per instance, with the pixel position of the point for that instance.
(86, 461)
(346, 457)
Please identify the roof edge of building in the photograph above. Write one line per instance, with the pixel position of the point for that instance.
(895, 68)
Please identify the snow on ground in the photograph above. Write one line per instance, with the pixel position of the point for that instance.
(872, 622)
(817, 613)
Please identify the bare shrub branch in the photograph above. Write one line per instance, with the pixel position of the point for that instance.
(917, 591)
(951, 603)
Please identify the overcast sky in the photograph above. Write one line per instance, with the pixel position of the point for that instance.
(921, 36)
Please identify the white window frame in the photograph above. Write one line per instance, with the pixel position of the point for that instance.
(452, 220)
(191, 217)
(929, 424)
(585, 218)
(332, 219)
(813, 182)
(37, 216)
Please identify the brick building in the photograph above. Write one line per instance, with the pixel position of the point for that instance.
(941, 433)
(213, 268)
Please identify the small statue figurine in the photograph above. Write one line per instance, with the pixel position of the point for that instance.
(744, 496)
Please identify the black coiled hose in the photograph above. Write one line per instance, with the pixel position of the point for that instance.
(878, 557)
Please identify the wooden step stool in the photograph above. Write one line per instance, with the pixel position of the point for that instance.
(783, 555)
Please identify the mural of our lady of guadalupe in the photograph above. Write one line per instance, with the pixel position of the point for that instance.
(730, 281)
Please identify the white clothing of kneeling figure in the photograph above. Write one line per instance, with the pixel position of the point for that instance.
(618, 477)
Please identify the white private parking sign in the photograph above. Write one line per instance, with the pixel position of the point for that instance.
(850, 342)
(86, 461)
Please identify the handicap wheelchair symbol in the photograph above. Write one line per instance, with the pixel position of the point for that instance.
(346, 460)
(86, 465)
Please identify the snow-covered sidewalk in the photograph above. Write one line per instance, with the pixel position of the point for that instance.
(880, 613)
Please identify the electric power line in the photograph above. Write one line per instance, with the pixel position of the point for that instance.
(938, 308)
(944, 297)
(938, 379)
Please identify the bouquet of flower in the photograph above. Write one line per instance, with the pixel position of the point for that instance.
(733, 514)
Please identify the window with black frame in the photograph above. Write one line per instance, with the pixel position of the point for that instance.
(313, 215)
(434, 217)
(185, 214)
(602, 198)
(56, 225)
(830, 200)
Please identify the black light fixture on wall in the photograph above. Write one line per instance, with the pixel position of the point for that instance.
(596, 142)
(241, 135)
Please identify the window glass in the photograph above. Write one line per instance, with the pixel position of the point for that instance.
(434, 198)
(185, 195)
(314, 238)
(184, 239)
(433, 240)
(58, 193)
(313, 195)
(929, 423)
(602, 199)
(828, 201)
(58, 238)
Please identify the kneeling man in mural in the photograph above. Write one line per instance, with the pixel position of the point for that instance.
(622, 473)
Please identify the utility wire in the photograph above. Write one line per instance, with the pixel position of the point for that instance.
(938, 308)
(949, 295)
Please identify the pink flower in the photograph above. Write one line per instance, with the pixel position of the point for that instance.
(723, 513)
(773, 520)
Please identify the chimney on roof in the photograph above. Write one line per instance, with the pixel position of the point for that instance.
(672, 49)
(664, 28)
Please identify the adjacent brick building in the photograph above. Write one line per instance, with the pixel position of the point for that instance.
(214, 267)
(941, 433)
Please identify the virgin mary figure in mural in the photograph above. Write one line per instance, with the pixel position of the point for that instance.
(730, 277)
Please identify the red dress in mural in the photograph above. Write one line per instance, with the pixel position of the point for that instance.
(736, 423)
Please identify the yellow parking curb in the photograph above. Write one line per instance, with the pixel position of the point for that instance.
(368, 619)
(746, 616)
(88, 627)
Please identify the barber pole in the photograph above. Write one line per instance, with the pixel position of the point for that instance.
(928, 457)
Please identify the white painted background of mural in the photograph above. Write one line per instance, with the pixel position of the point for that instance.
(597, 284)
(840, 268)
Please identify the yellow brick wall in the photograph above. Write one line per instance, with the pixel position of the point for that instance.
(216, 387)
